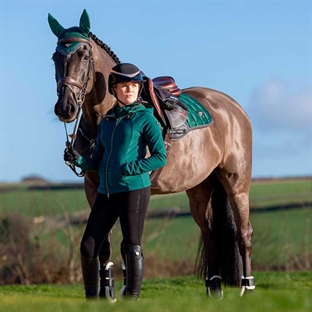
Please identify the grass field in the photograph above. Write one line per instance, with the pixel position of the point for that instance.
(279, 237)
(53, 202)
(274, 292)
(282, 239)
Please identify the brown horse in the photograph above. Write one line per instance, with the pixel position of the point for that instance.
(212, 164)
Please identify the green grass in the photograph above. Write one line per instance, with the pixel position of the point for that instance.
(43, 202)
(278, 238)
(274, 292)
(281, 238)
(280, 235)
(280, 192)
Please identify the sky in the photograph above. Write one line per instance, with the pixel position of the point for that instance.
(257, 52)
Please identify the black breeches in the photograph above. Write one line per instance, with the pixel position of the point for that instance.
(130, 207)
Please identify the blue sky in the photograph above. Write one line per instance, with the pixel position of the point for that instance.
(258, 52)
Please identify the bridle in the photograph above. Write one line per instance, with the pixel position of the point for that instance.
(69, 82)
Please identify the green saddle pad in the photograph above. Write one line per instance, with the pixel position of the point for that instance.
(197, 114)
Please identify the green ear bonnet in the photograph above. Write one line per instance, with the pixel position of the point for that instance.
(64, 44)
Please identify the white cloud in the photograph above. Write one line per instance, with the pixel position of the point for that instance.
(281, 116)
(280, 105)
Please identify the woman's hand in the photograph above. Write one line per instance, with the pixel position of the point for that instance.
(70, 154)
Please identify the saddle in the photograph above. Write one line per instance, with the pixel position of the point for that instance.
(163, 93)
(175, 117)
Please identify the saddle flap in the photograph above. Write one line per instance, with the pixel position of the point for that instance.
(148, 94)
(176, 116)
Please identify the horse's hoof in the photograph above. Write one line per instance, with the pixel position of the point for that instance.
(214, 290)
(248, 286)
(216, 294)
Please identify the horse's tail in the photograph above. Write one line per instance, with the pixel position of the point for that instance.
(224, 229)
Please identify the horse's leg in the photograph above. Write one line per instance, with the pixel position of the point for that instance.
(208, 264)
(237, 187)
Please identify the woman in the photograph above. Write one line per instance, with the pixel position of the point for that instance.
(124, 191)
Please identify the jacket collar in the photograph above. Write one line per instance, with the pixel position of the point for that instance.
(117, 111)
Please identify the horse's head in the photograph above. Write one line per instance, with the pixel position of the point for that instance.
(73, 66)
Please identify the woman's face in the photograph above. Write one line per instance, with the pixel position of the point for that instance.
(127, 92)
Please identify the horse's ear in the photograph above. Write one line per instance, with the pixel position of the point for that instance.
(55, 26)
(84, 24)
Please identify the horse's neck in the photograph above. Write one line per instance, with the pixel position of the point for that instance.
(98, 101)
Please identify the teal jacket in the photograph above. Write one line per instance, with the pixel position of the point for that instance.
(120, 149)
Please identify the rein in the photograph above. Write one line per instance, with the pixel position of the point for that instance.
(70, 144)
(80, 98)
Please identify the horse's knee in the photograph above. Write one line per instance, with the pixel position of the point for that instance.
(87, 247)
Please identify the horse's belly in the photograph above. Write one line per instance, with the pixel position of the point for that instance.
(190, 161)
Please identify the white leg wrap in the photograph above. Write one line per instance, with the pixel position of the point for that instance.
(247, 284)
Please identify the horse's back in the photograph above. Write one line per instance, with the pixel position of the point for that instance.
(229, 120)
(216, 100)
(225, 143)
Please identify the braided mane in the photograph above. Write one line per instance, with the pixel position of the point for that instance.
(105, 47)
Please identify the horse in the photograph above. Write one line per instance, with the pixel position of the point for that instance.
(211, 164)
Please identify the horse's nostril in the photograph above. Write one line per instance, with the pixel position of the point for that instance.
(72, 109)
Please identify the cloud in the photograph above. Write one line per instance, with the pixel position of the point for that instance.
(281, 116)
(280, 105)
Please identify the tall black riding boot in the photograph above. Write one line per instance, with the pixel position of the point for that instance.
(134, 272)
(90, 273)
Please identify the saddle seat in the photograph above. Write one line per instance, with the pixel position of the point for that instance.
(163, 93)
(167, 83)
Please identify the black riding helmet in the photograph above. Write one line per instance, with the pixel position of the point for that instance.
(124, 72)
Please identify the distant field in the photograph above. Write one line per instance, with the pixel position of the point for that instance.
(43, 202)
(52, 202)
(282, 239)
(278, 237)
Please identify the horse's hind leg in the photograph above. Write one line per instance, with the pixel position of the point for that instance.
(237, 187)
(208, 263)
